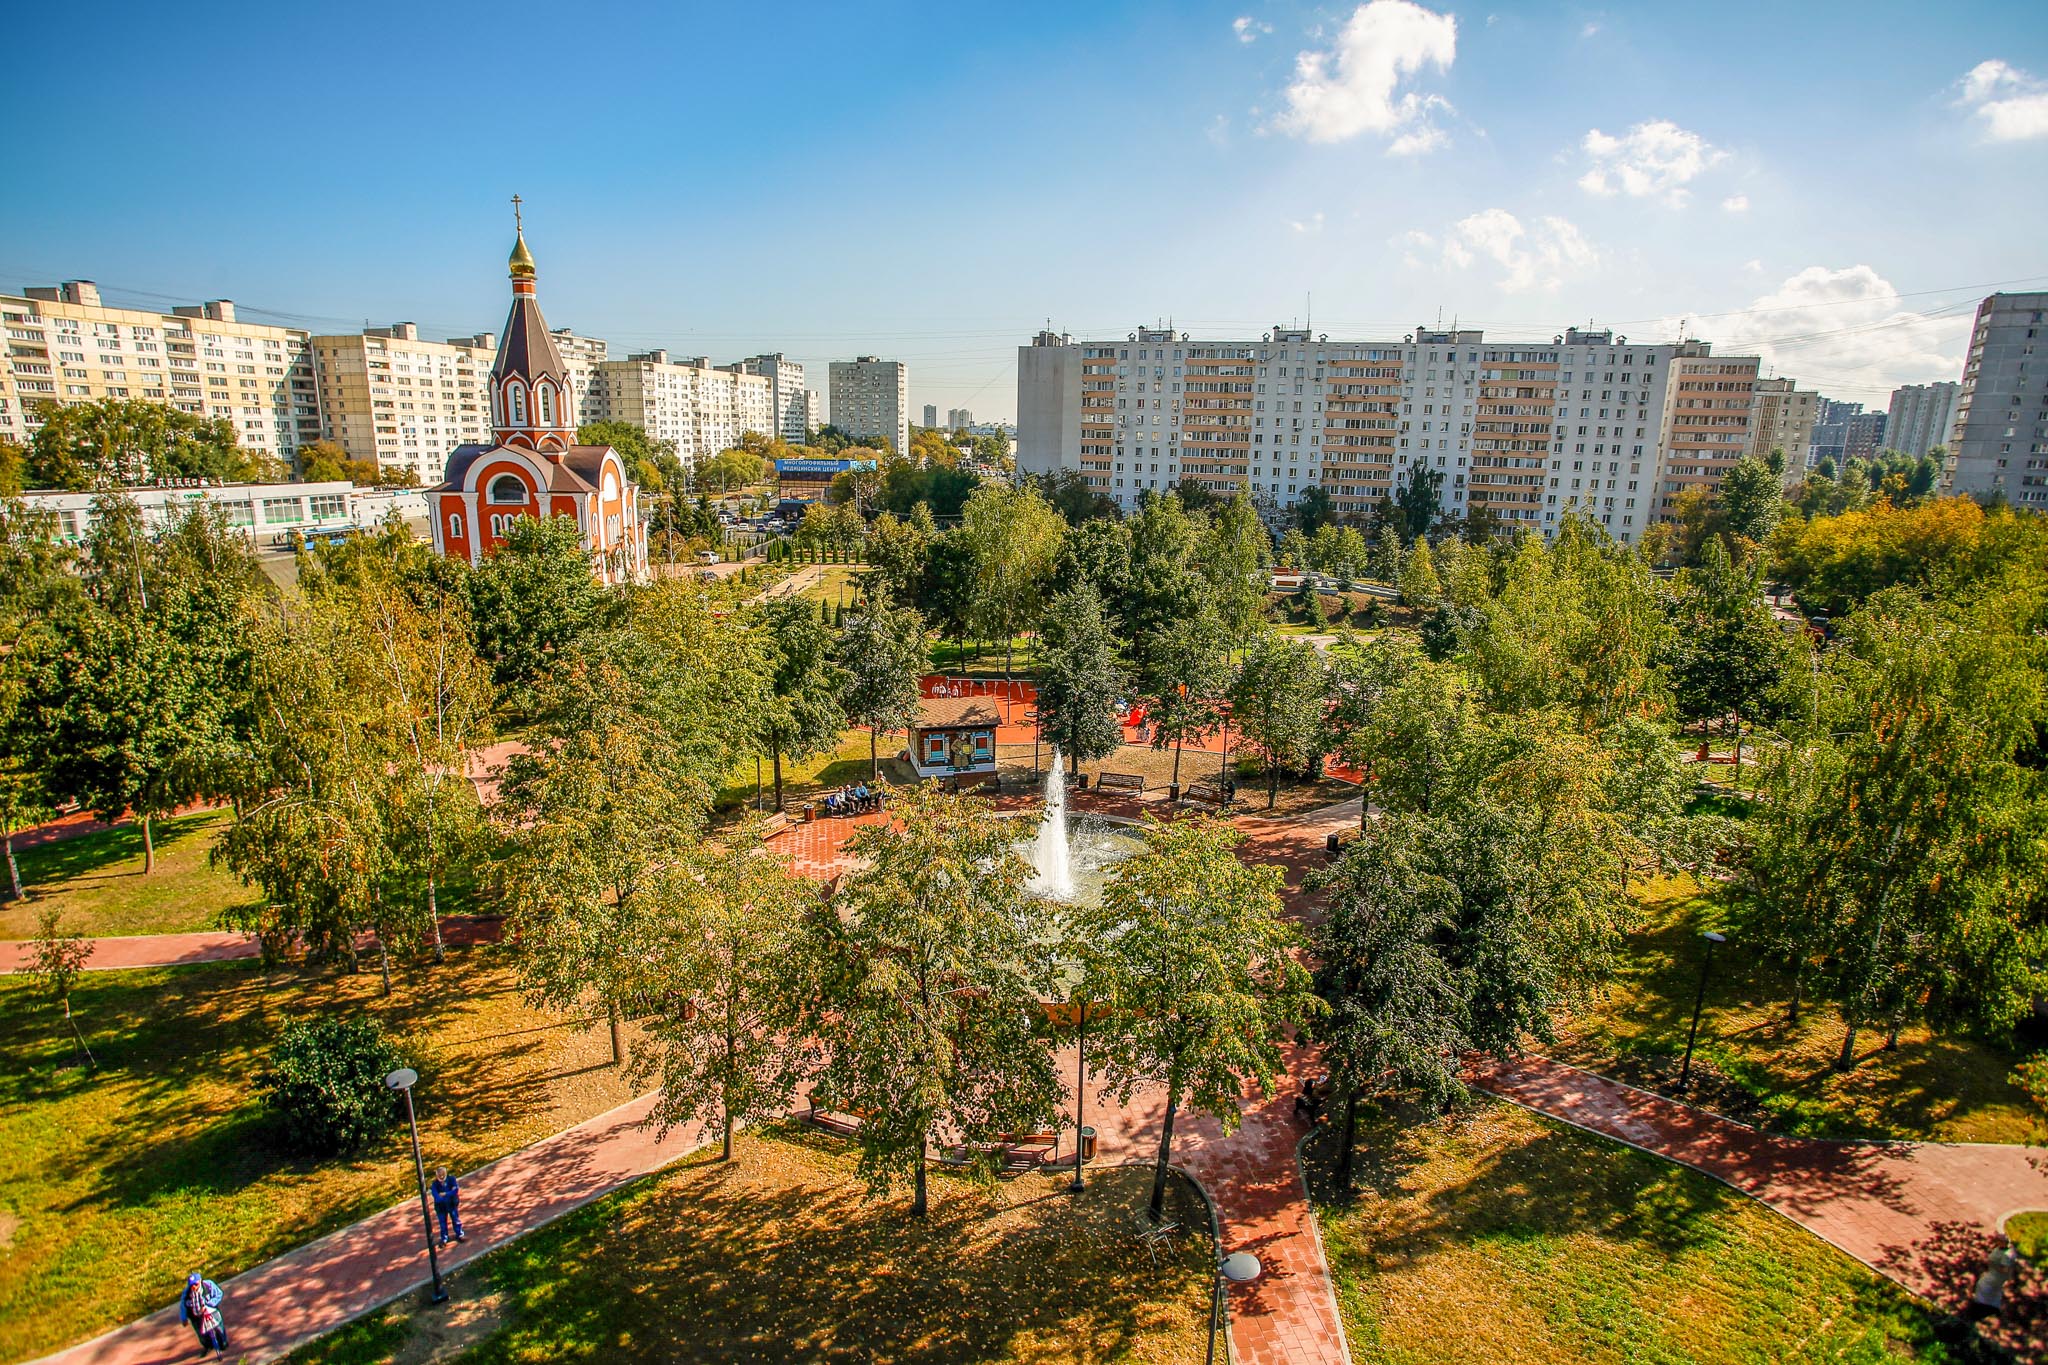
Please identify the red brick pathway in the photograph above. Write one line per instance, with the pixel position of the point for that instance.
(126, 953)
(326, 1283)
(1924, 1214)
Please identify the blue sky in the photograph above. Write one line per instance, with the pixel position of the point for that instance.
(1833, 185)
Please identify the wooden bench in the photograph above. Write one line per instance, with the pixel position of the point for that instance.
(833, 1121)
(1012, 1153)
(1119, 782)
(774, 825)
(1204, 793)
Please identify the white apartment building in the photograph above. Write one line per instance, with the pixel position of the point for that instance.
(703, 408)
(1783, 419)
(388, 395)
(958, 419)
(788, 399)
(871, 400)
(582, 356)
(1529, 431)
(931, 415)
(65, 346)
(1998, 443)
(1921, 417)
(1709, 407)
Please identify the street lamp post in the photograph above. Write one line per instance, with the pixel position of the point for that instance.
(1080, 1097)
(402, 1080)
(1239, 1267)
(1698, 1000)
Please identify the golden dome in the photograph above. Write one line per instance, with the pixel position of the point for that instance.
(521, 264)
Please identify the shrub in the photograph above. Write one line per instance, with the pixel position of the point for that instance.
(325, 1087)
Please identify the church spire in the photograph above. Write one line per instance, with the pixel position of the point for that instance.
(532, 401)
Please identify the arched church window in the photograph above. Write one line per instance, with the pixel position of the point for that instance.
(455, 525)
(547, 404)
(507, 488)
(518, 394)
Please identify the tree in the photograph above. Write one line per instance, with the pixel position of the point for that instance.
(322, 461)
(1314, 509)
(1751, 496)
(1067, 491)
(802, 716)
(116, 441)
(595, 817)
(1278, 701)
(1394, 1000)
(884, 651)
(1234, 551)
(720, 1044)
(1081, 679)
(1293, 552)
(324, 1085)
(1419, 502)
(728, 470)
(1015, 537)
(1415, 729)
(1097, 554)
(533, 598)
(927, 1012)
(1183, 673)
(945, 592)
(56, 960)
(1727, 654)
(654, 463)
(1419, 585)
(896, 551)
(1194, 495)
(1194, 971)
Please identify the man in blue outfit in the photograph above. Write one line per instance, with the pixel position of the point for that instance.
(199, 1309)
(448, 1204)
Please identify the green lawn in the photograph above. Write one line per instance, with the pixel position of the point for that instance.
(837, 583)
(843, 765)
(121, 1180)
(1505, 1236)
(782, 1255)
(1751, 1064)
(96, 881)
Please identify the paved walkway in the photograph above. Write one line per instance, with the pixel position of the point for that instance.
(1924, 1214)
(324, 1284)
(127, 953)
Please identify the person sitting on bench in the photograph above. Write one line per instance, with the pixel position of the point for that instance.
(832, 803)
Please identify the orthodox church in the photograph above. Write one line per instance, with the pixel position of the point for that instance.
(533, 466)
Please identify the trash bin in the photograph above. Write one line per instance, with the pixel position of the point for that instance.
(1172, 792)
(1087, 1143)
(1331, 844)
(810, 813)
(1080, 782)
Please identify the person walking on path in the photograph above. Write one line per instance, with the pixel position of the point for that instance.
(448, 1204)
(199, 1308)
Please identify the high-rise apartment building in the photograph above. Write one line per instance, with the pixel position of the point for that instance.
(1920, 417)
(1846, 432)
(581, 356)
(65, 346)
(958, 419)
(703, 408)
(1999, 440)
(815, 403)
(1783, 420)
(1529, 432)
(788, 399)
(871, 400)
(389, 395)
(931, 415)
(1708, 406)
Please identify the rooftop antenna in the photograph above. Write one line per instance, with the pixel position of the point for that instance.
(1308, 321)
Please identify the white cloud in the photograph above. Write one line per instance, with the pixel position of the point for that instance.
(1736, 203)
(1844, 331)
(1355, 86)
(1307, 226)
(1248, 29)
(1591, 29)
(1539, 258)
(1753, 266)
(1657, 158)
(2012, 103)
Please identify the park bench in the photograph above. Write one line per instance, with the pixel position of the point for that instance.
(1012, 1153)
(833, 1121)
(774, 825)
(1204, 793)
(1119, 782)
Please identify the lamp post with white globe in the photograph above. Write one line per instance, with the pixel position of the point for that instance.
(402, 1080)
(1239, 1267)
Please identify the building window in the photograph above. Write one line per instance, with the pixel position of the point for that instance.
(277, 511)
(547, 404)
(328, 506)
(455, 526)
(508, 488)
(518, 405)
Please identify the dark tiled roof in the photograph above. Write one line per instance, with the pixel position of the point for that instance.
(528, 350)
(459, 461)
(580, 469)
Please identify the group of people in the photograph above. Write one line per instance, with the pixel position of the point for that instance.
(856, 799)
(1315, 1090)
(199, 1307)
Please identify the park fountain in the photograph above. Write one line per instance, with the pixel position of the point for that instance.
(1052, 858)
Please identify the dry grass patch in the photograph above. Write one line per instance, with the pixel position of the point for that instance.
(781, 1255)
(1753, 1066)
(120, 1181)
(1502, 1235)
(96, 881)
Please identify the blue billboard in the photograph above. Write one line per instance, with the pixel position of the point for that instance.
(820, 468)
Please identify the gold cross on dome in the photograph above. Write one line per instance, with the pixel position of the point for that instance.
(518, 223)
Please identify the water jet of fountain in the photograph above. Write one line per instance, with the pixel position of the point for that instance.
(1052, 858)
